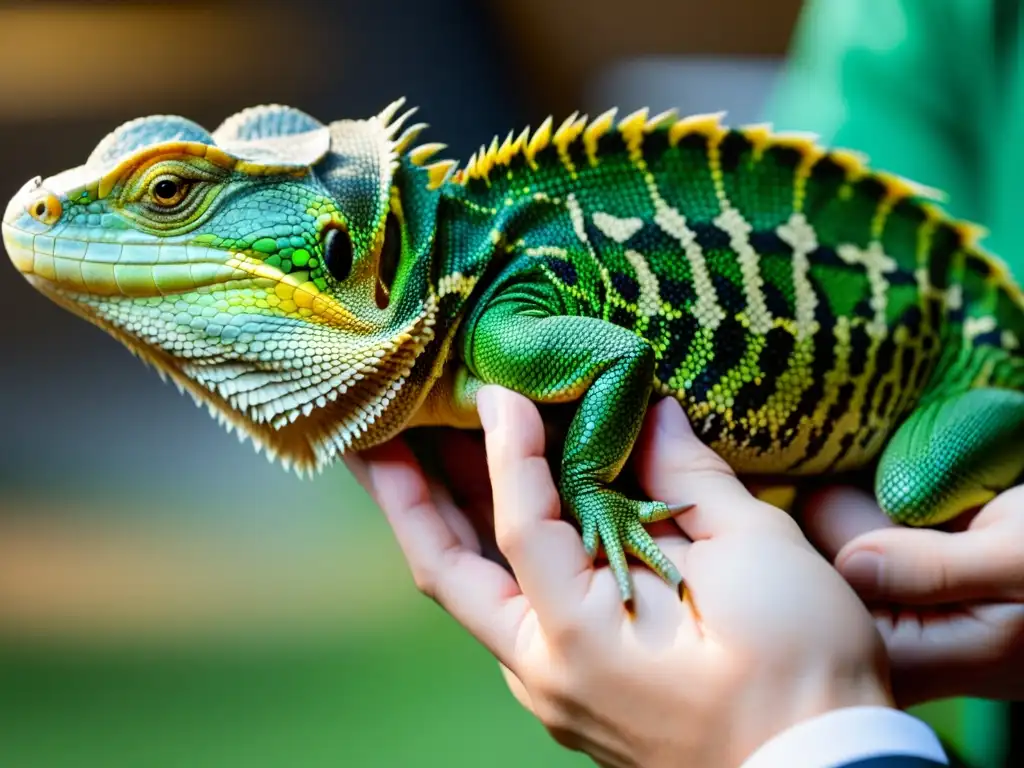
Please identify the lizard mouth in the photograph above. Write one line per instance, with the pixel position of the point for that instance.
(129, 270)
(85, 272)
(20, 250)
(296, 373)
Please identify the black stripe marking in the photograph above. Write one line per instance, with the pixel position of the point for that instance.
(773, 361)
(626, 286)
(682, 332)
(823, 358)
(710, 237)
(730, 344)
(945, 242)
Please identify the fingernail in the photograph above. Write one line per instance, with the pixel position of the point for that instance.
(487, 408)
(863, 571)
(672, 422)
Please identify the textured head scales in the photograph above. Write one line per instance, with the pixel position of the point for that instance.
(273, 136)
(227, 281)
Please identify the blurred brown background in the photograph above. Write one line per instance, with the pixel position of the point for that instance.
(167, 597)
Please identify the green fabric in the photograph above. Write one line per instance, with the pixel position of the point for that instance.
(927, 89)
(930, 90)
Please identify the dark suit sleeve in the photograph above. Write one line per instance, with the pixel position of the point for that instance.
(854, 737)
(897, 761)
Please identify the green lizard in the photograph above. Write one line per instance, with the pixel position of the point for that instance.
(323, 287)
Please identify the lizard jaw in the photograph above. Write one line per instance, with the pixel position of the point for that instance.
(302, 423)
(303, 430)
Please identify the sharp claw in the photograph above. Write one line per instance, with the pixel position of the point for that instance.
(687, 597)
(621, 537)
(630, 607)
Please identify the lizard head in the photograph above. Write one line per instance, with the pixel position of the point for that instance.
(277, 268)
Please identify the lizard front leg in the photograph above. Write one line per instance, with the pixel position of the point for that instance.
(517, 343)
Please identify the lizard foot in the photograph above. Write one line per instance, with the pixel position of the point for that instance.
(617, 523)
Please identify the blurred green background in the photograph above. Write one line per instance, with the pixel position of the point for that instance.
(167, 596)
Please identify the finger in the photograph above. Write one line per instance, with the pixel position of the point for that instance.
(467, 490)
(356, 464)
(924, 566)
(477, 593)
(835, 516)
(971, 652)
(673, 465)
(454, 516)
(545, 552)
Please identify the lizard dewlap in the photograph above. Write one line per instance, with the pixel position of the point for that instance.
(323, 287)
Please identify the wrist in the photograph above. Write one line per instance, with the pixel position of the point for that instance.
(848, 688)
(808, 695)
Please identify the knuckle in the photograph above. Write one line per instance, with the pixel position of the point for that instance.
(697, 460)
(425, 583)
(536, 474)
(568, 634)
(784, 523)
(511, 538)
(429, 582)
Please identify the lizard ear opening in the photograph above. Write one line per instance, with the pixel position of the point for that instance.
(387, 264)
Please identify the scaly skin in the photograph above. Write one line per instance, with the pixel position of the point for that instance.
(322, 288)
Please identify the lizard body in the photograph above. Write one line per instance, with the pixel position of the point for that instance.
(323, 287)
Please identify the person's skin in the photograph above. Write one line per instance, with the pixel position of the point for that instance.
(949, 603)
(774, 635)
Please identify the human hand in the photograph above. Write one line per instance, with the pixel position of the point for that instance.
(779, 637)
(948, 603)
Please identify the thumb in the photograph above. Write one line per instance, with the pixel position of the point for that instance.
(674, 465)
(926, 566)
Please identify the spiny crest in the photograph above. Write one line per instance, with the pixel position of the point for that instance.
(574, 128)
(401, 143)
(366, 154)
(528, 144)
(634, 126)
(762, 138)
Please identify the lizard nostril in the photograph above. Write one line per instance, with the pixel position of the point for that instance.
(46, 209)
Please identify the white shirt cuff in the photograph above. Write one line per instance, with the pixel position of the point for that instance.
(844, 736)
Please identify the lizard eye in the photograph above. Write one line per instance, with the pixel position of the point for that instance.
(168, 190)
(45, 210)
(338, 254)
(390, 253)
